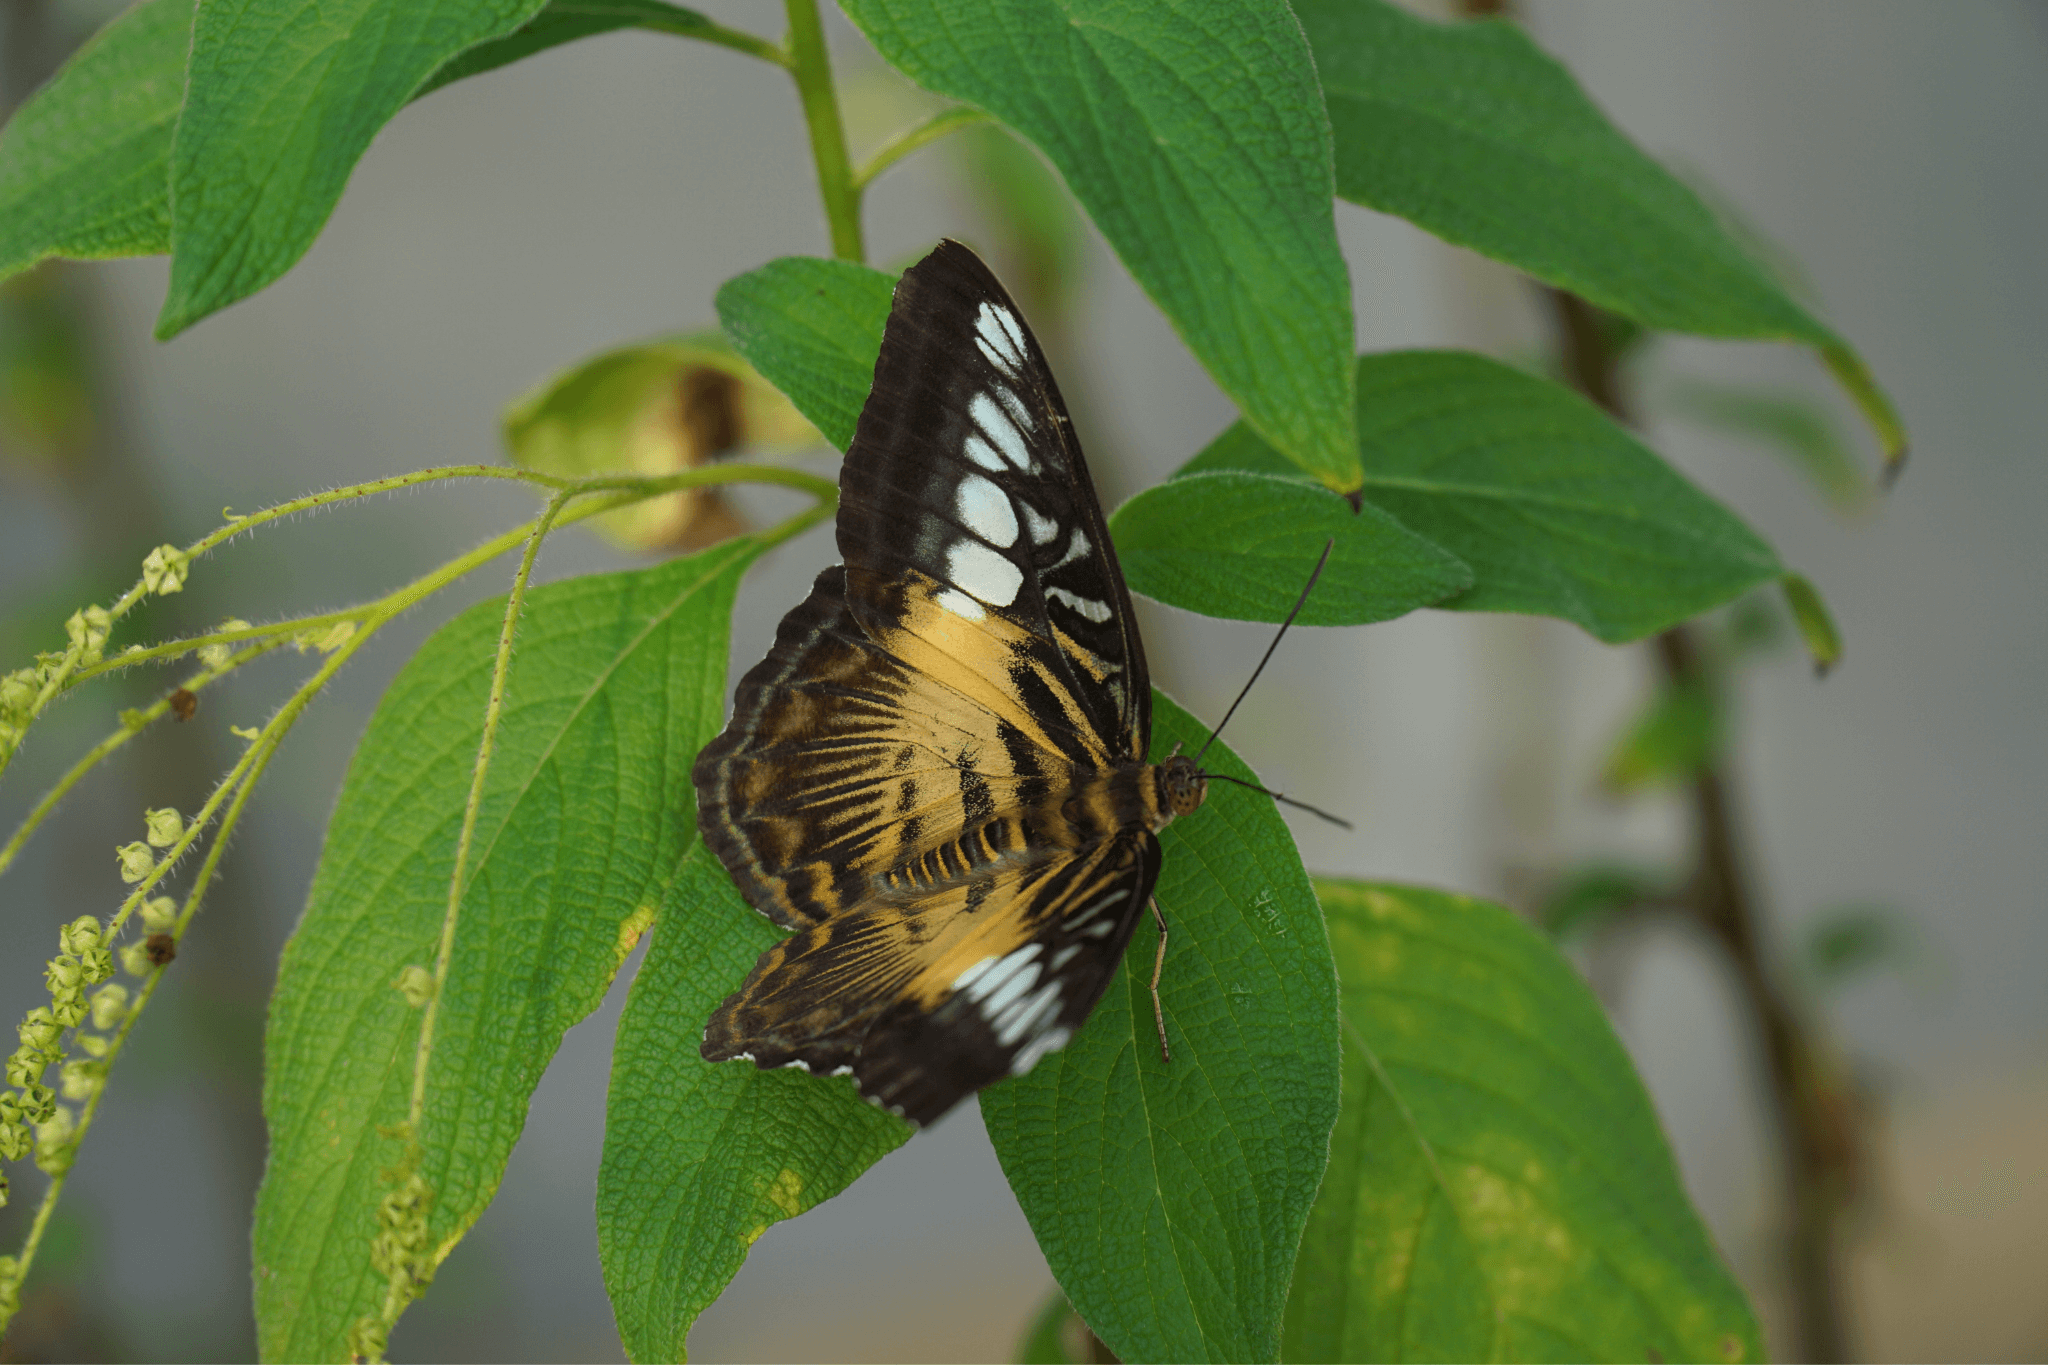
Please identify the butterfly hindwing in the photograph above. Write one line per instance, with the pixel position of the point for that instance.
(922, 1000)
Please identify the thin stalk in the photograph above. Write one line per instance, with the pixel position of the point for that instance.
(1816, 1136)
(915, 139)
(811, 66)
(241, 780)
(98, 752)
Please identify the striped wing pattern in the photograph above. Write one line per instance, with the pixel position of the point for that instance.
(935, 777)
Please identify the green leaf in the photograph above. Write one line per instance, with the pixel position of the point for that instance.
(655, 408)
(82, 161)
(699, 1159)
(281, 98)
(1559, 511)
(1194, 136)
(1169, 1199)
(565, 21)
(1678, 734)
(1816, 626)
(1240, 545)
(1475, 134)
(618, 680)
(1787, 424)
(1499, 1188)
(812, 328)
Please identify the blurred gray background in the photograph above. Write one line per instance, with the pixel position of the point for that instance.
(510, 225)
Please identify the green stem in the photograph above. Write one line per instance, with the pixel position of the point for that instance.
(811, 66)
(903, 144)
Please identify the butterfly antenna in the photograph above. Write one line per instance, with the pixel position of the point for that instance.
(1338, 821)
(1299, 603)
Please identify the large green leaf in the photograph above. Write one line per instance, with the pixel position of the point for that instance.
(1474, 133)
(281, 98)
(618, 680)
(699, 1159)
(1240, 545)
(82, 161)
(1498, 1186)
(813, 329)
(85, 165)
(1169, 1199)
(1559, 511)
(1195, 137)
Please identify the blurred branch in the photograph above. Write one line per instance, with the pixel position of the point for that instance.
(1814, 1115)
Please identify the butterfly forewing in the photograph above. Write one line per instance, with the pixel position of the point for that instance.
(964, 471)
(935, 776)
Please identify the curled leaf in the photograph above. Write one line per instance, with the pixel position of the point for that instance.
(657, 408)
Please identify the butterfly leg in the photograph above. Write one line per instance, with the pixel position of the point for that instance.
(1159, 965)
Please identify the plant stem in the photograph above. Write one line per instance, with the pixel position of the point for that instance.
(1811, 1114)
(689, 25)
(811, 66)
(914, 139)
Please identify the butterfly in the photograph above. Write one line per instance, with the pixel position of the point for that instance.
(937, 777)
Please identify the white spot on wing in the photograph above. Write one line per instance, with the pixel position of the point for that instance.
(1095, 611)
(1001, 432)
(1043, 528)
(979, 570)
(1077, 548)
(1018, 412)
(1065, 955)
(1028, 1015)
(1000, 338)
(983, 454)
(985, 510)
(968, 977)
(1048, 1041)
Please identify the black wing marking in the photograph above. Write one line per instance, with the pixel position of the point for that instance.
(964, 468)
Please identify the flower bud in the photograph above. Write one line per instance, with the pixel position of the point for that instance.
(109, 1003)
(137, 861)
(80, 1079)
(54, 1148)
(217, 654)
(14, 1140)
(69, 1009)
(18, 692)
(63, 974)
(416, 984)
(80, 935)
(87, 632)
(165, 569)
(159, 913)
(91, 1044)
(165, 827)
(135, 959)
(38, 1102)
(98, 965)
(25, 1066)
(40, 1030)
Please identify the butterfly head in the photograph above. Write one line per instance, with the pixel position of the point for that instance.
(1181, 785)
